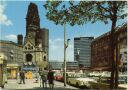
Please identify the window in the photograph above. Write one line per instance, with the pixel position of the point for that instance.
(25, 47)
(44, 58)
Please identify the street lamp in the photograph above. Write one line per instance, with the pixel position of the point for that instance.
(65, 46)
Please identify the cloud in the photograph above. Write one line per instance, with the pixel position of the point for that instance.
(3, 18)
(56, 50)
(11, 37)
(70, 51)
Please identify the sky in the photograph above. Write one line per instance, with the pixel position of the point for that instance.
(12, 23)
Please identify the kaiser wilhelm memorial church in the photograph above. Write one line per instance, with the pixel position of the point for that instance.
(36, 41)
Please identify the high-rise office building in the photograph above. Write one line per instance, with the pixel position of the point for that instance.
(82, 51)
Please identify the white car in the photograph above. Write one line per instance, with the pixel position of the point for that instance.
(80, 81)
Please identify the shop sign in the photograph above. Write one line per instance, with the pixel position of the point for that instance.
(29, 69)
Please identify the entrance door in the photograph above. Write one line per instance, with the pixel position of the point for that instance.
(13, 73)
(29, 57)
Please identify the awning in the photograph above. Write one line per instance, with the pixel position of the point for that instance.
(29, 69)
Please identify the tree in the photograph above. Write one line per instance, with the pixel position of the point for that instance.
(82, 12)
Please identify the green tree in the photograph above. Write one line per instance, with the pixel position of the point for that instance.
(82, 12)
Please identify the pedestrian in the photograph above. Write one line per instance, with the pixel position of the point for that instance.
(44, 79)
(18, 77)
(50, 77)
(37, 77)
(22, 77)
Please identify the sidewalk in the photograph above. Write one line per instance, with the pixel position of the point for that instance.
(31, 85)
(104, 86)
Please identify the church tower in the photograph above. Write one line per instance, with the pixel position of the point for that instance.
(32, 18)
(34, 53)
(32, 23)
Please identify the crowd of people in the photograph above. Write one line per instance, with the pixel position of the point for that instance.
(44, 77)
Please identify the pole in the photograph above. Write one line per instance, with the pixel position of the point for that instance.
(117, 66)
(64, 55)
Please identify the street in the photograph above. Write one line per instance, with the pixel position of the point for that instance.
(31, 85)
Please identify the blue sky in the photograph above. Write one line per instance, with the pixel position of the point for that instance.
(12, 23)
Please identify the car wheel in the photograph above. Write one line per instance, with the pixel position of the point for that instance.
(77, 85)
(2, 86)
(69, 83)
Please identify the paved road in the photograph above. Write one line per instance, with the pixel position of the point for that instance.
(31, 85)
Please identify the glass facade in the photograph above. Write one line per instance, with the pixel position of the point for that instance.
(56, 65)
(72, 65)
(83, 44)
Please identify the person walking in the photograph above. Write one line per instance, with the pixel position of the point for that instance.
(50, 77)
(44, 79)
(22, 77)
(18, 77)
(37, 77)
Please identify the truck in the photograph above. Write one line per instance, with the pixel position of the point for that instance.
(3, 70)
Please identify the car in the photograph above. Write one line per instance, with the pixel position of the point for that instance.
(59, 77)
(123, 79)
(80, 81)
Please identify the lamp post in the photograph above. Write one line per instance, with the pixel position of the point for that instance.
(65, 46)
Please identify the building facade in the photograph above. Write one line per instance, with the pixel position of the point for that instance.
(100, 47)
(36, 43)
(56, 65)
(72, 65)
(82, 51)
(14, 53)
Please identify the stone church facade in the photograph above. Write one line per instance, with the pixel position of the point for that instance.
(36, 41)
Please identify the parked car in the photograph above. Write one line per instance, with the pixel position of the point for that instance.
(123, 79)
(59, 77)
(80, 81)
